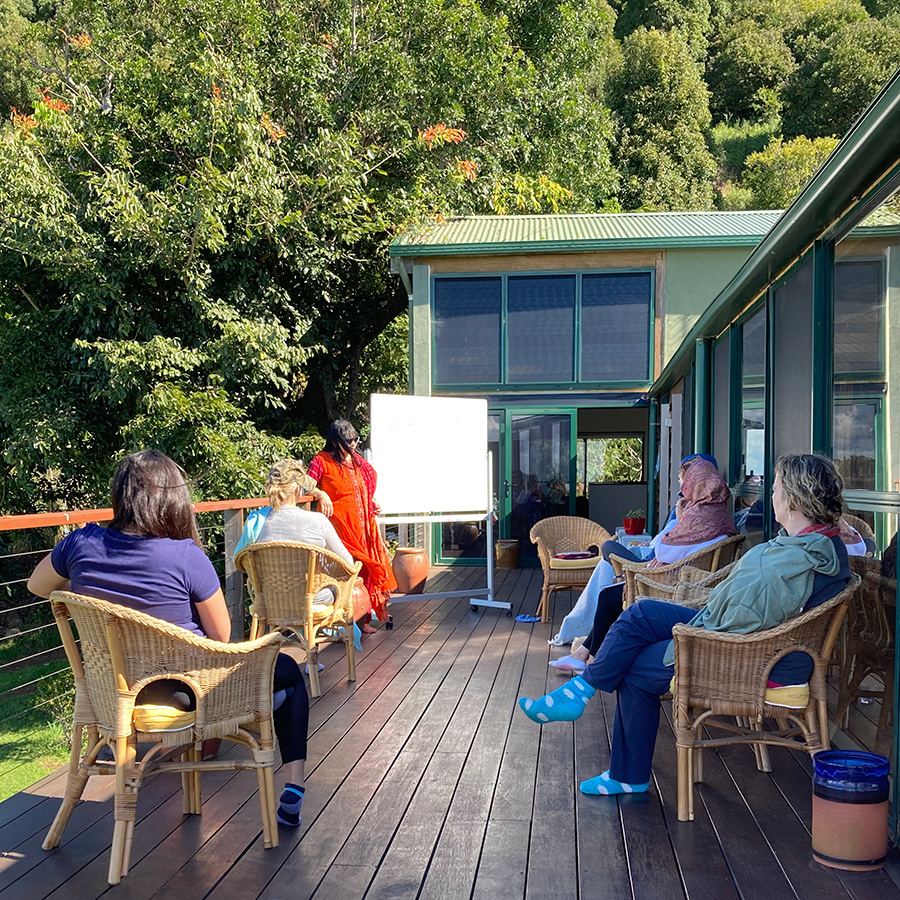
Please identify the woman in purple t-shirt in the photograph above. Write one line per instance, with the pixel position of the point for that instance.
(149, 559)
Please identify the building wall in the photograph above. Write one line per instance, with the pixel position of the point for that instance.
(694, 278)
(687, 280)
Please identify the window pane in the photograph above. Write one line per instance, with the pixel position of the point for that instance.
(615, 327)
(541, 328)
(858, 305)
(467, 330)
(753, 396)
(792, 355)
(855, 444)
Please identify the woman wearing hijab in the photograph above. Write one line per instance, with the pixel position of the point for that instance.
(703, 519)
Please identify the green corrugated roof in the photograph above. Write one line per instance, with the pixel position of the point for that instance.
(469, 235)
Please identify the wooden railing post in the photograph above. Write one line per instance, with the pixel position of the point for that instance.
(234, 580)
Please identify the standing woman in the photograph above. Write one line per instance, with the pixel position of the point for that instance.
(349, 481)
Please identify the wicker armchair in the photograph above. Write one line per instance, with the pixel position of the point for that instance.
(123, 651)
(692, 588)
(564, 534)
(863, 527)
(719, 675)
(285, 577)
(711, 558)
(868, 648)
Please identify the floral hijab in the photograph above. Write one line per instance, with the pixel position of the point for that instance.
(704, 515)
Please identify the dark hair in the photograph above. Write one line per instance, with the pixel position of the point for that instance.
(340, 438)
(812, 485)
(150, 496)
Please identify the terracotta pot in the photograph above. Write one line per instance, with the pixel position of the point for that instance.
(362, 603)
(634, 524)
(506, 554)
(410, 567)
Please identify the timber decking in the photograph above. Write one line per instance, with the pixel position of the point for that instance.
(424, 781)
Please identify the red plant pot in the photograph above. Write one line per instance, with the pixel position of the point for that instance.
(634, 524)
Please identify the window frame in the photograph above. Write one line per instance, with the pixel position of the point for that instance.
(504, 385)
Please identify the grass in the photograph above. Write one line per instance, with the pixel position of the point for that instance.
(34, 724)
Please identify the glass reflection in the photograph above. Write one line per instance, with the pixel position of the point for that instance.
(865, 422)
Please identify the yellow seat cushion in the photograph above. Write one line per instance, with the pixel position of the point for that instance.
(574, 563)
(791, 696)
(155, 717)
(321, 611)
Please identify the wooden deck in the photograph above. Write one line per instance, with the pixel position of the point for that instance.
(424, 781)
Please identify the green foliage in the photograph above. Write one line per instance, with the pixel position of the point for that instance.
(18, 78)
(731, 143)
(844, 59)
(193, 254)
(662, 106)
(623, 459)
(747, 70)
(777, 174)
(690, 17)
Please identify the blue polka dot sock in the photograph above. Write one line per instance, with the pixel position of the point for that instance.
(288, 812)
(604, 784)
(565, 704)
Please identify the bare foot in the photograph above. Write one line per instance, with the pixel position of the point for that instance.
(366, 628)
(581, 654)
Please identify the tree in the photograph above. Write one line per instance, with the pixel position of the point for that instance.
(198, 210)
(623, 459)
(662, 108)
(844, 59)
(690, 17)
(747, 71)
(776, 175)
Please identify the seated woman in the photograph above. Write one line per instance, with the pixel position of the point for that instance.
(805, 565)
(149, 559)
(702, 519)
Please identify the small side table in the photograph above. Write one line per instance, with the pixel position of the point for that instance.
(632, 540)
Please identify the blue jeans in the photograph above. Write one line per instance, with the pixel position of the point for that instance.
(629, 662)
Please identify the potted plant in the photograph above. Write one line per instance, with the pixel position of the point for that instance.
(635, 522)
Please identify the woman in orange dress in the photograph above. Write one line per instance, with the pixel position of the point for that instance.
(349, 481)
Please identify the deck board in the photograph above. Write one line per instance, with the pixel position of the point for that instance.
(424, 781)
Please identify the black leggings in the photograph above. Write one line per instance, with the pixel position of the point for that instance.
(292, 717)
(609, 608)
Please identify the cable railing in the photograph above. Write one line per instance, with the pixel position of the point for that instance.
(36, 690)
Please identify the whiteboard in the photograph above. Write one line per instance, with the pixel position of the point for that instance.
(430, 454)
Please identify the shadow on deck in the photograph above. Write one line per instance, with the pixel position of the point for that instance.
(424, 782)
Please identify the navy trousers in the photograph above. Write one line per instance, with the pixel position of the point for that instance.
(630, 662)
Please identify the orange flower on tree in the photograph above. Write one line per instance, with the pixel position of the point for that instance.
(436, 135)
(53, 103)
(272, 129)
(216, 92)
(23, 121)
(80, 42)
(468, 168)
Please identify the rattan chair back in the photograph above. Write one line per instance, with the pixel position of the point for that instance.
(564, 534)
(285, 577)
(719, 675)
(123, 651)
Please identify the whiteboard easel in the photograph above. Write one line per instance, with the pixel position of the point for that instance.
(416, 442)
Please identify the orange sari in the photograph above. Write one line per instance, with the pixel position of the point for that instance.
(351, 487)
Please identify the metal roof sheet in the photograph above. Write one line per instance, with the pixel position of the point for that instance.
(594, 231)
